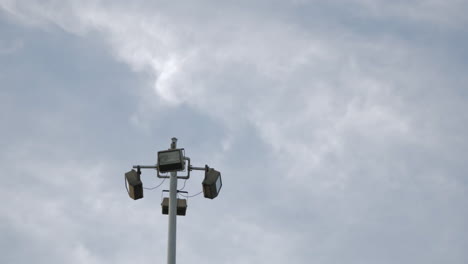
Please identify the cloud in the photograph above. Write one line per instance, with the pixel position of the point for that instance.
(350, 124)
(8, 48)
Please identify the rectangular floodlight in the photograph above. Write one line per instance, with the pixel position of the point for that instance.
(212, 183)
(181, 206)
(135, 186)
(171, 160)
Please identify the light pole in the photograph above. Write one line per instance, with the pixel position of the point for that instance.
(172, 161)
(171, 241)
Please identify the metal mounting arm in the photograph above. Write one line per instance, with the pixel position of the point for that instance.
(150, 167)
(145, 166)
(189, 169)
(199, 168)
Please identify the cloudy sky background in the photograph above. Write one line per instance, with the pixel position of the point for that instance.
(340, 129)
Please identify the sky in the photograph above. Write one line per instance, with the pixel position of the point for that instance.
(339, 127)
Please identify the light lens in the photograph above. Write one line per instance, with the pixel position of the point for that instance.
(169, 157)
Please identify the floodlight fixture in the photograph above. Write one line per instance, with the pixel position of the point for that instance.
(169, 163)
(181, 206)
(171, 160)
(135, 186)
(212, 183)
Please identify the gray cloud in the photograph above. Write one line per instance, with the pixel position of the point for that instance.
(339, 129)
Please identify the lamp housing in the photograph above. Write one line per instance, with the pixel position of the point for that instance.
(212, 183)
(181, 206)
(171, 160)
(135, 186)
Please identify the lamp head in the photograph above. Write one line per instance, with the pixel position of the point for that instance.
(135, 186)
(171, 160)
(212, 183)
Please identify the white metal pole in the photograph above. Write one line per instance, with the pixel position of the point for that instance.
(171, 247)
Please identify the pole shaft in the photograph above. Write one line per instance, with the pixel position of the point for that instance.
(171, 247)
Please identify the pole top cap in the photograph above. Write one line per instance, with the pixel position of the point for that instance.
(174, 143)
